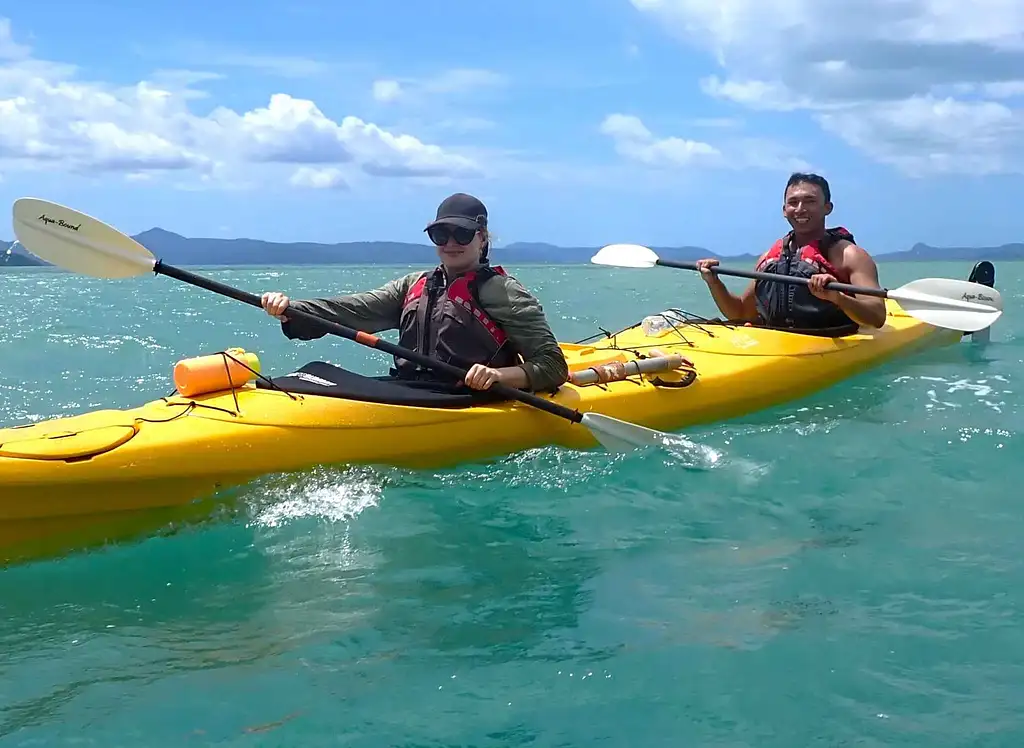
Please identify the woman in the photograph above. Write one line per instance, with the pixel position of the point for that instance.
(464, 312)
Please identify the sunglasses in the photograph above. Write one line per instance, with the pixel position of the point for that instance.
(441, 234)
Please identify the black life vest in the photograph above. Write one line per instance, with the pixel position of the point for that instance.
(450, 324)
(792, 305)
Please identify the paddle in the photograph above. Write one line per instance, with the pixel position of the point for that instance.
(81, 244)
(943, 302)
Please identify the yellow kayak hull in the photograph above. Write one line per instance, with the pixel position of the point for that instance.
(59, 475)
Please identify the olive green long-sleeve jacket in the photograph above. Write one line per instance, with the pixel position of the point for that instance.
(515, 309)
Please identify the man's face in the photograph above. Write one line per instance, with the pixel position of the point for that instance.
(805, 207)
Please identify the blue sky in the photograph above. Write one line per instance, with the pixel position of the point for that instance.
(582, 122)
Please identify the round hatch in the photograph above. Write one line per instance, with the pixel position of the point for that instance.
(68, 445)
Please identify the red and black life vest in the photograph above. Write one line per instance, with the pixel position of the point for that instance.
(449, 323)
(793, 305)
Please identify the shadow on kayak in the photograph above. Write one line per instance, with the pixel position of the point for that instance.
(43, 540)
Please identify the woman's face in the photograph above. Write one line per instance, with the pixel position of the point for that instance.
(458, 248)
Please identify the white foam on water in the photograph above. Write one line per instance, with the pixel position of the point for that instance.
(331, 495)
(966, 433)
(982, 389)
(690, 453)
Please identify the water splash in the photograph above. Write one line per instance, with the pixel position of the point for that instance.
(688, 453)
(332, 495)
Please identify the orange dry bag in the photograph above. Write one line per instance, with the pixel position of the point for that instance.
(215, 372)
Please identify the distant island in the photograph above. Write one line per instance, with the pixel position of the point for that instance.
(179, 250)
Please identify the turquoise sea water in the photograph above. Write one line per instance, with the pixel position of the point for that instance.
(848, 574)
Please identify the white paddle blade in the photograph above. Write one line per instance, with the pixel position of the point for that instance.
(951, 303)
(621, 436)
(958, 290)
(626, 256)
(76, 242)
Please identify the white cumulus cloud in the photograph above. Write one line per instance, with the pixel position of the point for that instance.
(386, 90)
(330, 178)
(50, 117)
(635, 141)
(923, 85)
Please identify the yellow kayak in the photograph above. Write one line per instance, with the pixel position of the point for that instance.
(174, 450)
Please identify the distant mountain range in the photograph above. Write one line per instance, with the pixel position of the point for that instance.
(179, 250)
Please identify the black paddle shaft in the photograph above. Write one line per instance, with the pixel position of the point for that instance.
(370, 341)
(756, 275)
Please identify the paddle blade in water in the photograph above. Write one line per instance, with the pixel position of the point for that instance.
(626, 256)
(621, 436)
(950, 303)
(76, 242)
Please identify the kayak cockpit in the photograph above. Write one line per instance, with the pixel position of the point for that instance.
(327, 380)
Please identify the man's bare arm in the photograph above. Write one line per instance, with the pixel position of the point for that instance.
(864, 310)
(741, 307)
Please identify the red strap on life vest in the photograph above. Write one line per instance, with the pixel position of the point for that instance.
(459, 293)
(810, 253)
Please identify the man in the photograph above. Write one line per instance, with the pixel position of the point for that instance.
(810, 251)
